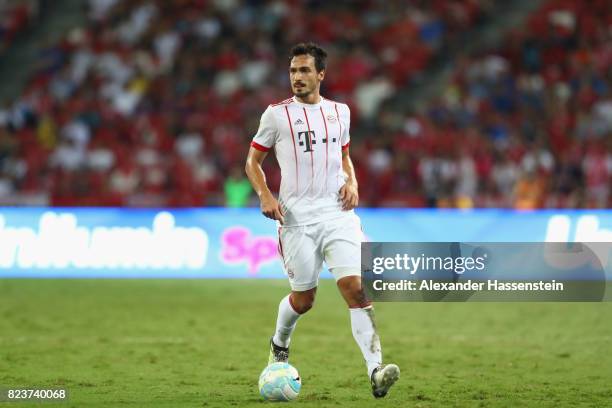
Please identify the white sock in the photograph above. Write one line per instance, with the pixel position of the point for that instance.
(285, 323)
(364, 332)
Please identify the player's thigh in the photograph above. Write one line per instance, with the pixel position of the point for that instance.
(342, 246)
(301, 257)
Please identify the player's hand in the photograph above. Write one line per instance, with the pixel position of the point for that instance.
(349, 196)
(271, 208)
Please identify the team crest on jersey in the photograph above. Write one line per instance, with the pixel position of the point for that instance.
(331, 118)
(298, 122)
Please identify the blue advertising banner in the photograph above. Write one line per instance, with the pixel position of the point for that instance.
(241, 243)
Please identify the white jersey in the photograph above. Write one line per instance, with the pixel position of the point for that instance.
(308, 140)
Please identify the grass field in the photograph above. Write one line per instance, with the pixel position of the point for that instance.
(203, 343)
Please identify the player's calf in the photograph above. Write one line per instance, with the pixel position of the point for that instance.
(290, 308)
(352, 291)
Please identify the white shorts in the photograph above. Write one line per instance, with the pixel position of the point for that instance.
(303, 249)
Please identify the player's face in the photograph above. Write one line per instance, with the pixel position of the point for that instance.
(303, 75)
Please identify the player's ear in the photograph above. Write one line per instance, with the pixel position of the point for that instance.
(321, 74)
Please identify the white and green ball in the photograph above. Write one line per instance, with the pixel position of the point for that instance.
(279, 382)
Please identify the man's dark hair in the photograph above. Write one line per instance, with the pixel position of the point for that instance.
(312, 49)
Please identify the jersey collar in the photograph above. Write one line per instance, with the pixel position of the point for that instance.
(308, 105)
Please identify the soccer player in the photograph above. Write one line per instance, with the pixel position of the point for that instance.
(310, 136)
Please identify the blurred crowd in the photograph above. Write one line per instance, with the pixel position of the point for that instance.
(154, 103)
(527, 125)
(15, 17)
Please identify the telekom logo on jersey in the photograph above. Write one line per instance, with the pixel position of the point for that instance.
(241, 246)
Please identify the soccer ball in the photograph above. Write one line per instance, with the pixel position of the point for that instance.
(279, 382)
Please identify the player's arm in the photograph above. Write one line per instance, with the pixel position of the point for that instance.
(269, 205)
(349, 193)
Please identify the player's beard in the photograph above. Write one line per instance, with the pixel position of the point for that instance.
(302, 93)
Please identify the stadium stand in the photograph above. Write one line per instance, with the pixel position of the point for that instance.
(153, 103)
(15, 18)
(530, 122)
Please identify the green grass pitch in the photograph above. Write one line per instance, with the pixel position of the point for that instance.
(203, 343)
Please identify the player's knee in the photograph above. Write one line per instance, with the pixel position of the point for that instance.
(303, 305)
(302, 302)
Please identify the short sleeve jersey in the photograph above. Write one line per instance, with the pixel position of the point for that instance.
(308, 140)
